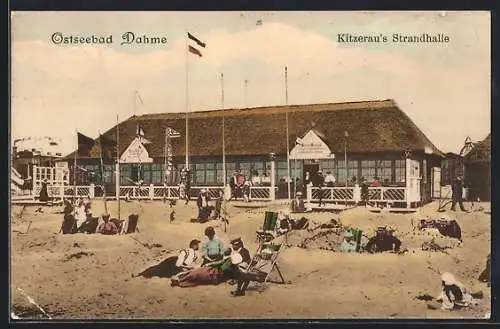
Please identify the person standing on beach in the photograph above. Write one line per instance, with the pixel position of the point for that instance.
(456, 194)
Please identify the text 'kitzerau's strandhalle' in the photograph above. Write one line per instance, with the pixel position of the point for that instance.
(393, 38)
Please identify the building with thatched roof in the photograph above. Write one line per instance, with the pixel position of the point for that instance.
(376, 137)
(477, 163)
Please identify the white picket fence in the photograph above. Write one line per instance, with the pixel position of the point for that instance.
(147, 192)
(158, 192)
(381, 194)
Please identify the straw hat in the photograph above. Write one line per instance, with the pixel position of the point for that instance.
(448, 279)
(236, 241)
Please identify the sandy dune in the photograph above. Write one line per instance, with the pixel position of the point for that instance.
(89, 276)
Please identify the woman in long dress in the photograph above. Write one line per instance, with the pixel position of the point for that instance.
(454, 294)
(210, 274)
(44, 194)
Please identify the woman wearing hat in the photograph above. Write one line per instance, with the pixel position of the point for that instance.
(454, 294)
(107, 227)
(210, 274)
(44, 194)
(298, 203)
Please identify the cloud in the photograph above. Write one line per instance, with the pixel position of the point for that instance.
(279, 45)
(59, 88)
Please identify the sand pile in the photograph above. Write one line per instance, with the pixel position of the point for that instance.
(326, 239)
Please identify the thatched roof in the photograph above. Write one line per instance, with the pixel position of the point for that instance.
(373, 126)
(481, 151)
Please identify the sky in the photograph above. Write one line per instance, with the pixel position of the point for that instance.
(58, 89)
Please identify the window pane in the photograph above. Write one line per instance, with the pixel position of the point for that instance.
(199, 177)
(400, 169)
(244, 166)
(368, 169)
(282, 174)
(258, 166)
(281, 165)
(210, 177)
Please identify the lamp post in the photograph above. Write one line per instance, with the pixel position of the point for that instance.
(272, 194)
(298, 141)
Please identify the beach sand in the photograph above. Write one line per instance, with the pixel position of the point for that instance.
(90, 276)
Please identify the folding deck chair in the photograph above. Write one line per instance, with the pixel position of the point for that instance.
(131, 225)
(268, 231)
(120, 223)
(357, 235)
(265, 260)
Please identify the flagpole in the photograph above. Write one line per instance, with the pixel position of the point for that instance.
(165, 165)
(287, 132)
(135, 102)
(246, 99)
(187, 105)
(223, 130)
(346, 166)
(117, 174)
(74, 164)
(102, 175)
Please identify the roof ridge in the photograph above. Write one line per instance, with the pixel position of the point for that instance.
(355, 105)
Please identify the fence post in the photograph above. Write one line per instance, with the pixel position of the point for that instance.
(382, 189)
(117, 182)
(272, 192)
(151, 191)
(61, 192)
(92, 191)
(408, 183)
(34, 180)
(356, 194)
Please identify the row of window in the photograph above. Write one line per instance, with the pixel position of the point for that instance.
(388, 171)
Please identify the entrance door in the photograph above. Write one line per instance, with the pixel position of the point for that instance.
(135, 173)
(436, 182)
(312, 169)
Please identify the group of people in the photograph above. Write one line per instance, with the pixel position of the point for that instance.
(240, 186)
(215, 265)
(78, 218)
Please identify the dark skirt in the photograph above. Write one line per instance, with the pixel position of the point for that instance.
(44, 194)
(165, 269)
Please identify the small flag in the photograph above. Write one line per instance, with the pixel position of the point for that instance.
(85, 144)
(173, 134)
(195, 39)
(139, 98)
(195, 51)
(139, 131)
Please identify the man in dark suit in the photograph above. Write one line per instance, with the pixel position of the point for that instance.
(456, 193)
(204, 209)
